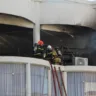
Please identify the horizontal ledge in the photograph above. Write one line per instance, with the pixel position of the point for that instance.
(24, 60)
(76, 68)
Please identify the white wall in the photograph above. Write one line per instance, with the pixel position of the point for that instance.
(13, 20)
(23, 8)
(50, 12)
(67, 13)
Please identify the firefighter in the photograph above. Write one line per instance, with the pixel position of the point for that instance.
(49, 55)
(57, 60)
(39, 49)
(59, 54)
(53, 56)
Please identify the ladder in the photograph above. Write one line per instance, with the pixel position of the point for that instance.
(62, 81)
(55, 75)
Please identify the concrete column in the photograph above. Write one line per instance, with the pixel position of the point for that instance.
(49, 82)
(65, 80)
(36, 31)
(28, 80)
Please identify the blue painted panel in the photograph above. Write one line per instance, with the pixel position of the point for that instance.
(39, 81)
(12, 80)
(76, 81)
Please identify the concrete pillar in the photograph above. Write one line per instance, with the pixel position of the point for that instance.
(65, 80)
(36, 31)
(28, 80)
(49, 82)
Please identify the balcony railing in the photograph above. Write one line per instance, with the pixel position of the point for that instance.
(76, 1)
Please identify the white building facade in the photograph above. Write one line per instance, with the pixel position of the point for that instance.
(38, 13)
(22, 76)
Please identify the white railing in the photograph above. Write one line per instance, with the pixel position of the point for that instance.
(22, 76)
(75, 1)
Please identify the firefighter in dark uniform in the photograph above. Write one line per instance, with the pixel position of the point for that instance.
(39, 49)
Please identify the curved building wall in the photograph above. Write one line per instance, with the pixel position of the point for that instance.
(22, 8)
(32, 77)
(15, 20)
(51, 12)
(67, 13)
(20, 76)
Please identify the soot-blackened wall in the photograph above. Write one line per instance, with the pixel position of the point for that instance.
(16, 41)
(82, 42)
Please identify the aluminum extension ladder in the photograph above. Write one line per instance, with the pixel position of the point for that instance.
(55, 75)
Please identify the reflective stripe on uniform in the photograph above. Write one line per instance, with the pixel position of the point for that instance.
(50, 53)
(37, 54)
(40, 49)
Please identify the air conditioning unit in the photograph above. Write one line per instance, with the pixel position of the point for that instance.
(80, 61)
